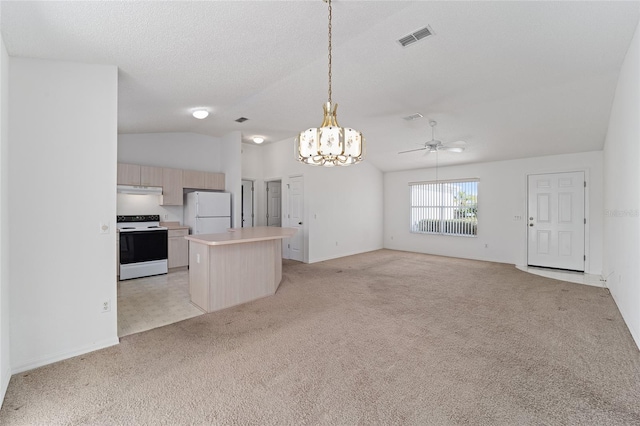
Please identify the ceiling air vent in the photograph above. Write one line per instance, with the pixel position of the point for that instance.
(241, 119)
(415, 36)
(413, 116)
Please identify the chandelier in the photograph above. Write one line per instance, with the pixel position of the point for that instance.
(330, 145)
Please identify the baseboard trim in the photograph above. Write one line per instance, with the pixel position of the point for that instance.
(4, 385)
(40, 362)
(634, 333)
(323, 259)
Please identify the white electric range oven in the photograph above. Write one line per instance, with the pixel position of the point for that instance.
(143, 246)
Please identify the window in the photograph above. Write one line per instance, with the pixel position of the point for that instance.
(446, 207)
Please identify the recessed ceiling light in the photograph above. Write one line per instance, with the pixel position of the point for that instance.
(258, 139)
(200, 114)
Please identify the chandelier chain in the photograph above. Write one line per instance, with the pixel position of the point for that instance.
(329, 1)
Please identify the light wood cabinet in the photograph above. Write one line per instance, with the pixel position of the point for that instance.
(128, 174)
(134, 174)
(178, 248)
(171, 187)
(151, 176)
(172, 181)
(214, 181)
(193, 179)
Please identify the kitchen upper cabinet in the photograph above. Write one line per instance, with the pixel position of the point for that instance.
(151, 176)
(178, 248)
(214, 181)
(171, 187)
(134, 174)
(171, 180)
(193, 179)
(128, 174)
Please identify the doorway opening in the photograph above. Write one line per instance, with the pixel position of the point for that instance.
(247, 204)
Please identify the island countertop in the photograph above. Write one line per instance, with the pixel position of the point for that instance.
(243, 235)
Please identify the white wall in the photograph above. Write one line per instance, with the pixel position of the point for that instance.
(133, 204)
(5, 348)
(179, 150)
(62, 179)
(231, 154)
(342, 205)
(253, 170)
(622, 192)
(502, 193)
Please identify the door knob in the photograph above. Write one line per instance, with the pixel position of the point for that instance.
(531, 224)
(531, 218)
(299, 223)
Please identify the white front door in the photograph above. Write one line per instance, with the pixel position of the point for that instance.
(274, 203)
(296, 215)
(556, 221)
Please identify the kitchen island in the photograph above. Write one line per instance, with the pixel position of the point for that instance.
(235, 267)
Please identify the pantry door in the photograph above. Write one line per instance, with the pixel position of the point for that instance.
(556, 221)
(296, 218)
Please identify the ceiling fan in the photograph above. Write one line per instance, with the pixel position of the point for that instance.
(434, 145)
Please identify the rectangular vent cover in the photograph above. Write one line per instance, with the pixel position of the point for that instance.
(413, 116)
(420, 34)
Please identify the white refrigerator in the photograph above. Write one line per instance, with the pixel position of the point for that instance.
(207, 212)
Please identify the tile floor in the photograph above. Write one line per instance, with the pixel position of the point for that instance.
(150, 302)
(570, 276)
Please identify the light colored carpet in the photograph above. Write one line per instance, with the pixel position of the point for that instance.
(385, 337)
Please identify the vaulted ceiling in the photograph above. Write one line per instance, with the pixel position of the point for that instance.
(511, 79)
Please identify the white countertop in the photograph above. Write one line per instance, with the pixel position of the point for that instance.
(243, 235)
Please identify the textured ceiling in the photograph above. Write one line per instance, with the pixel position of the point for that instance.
(512, 79)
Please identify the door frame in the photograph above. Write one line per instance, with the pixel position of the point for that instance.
(253, 202)
(587, 211)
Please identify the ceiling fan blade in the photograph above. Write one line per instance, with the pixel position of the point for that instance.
(412, 150)
(452, 148)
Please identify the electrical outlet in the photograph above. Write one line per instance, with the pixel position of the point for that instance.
(106, 306)
(197, 257)
(517, 217)
(166, 216)
(486, 245)
(104, 227)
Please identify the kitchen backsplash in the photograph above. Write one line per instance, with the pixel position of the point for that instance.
(130, 204)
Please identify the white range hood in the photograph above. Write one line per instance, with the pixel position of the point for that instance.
(140, 190)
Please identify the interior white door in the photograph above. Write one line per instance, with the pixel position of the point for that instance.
(247, 203)
(556, 221)
(274, 203)
(296, 215)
